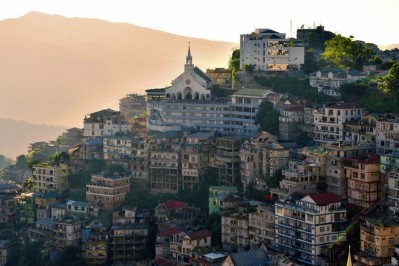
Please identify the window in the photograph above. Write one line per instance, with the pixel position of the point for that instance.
(322, 229)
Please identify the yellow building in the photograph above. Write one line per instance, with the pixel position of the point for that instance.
(378, 235)
(50, 177)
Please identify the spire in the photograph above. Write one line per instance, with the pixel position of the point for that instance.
(189, 60)
(349, 261)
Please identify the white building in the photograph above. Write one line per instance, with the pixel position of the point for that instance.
(329, 121)
(334, 78)
(188, 103)
(307, 226)
(269, 51)
(104, 123)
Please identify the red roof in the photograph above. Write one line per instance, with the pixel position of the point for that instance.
(169, 231)
(325, 198)
(199, 234)
(174, 204)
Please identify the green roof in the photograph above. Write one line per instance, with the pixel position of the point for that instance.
(202, 74)
(252, 92)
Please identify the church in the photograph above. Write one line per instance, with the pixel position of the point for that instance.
(188, 104)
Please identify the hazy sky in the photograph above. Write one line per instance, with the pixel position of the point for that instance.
(374, 21)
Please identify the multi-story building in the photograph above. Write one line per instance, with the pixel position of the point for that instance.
(43, 203)
(227, 160)
(335, 172)
(221, 76)
(50, 177)
(360, 130)
(108, 190)
(364, 181)
(7, 210)
(235, 234)
(8, 247)
(275, 157)
(316, 156)
(106, 122)
(26, 209)
(164, 238)
(378, 236)
(336, 179)
(182, 244)
(269, 51)
(261, 226)
(117, 147)
(251, 157)
(289, 123)
(132, 106)
(194, 160)
(42, 231)
(389, 169)
(95, 244)
(165, 162)
(71, 137)
(334, 77)
(387, 133)
(299, 177)
(329, 121)
(139, 159)
(67, 231)
(128, 242)
(188, 103)
(307, 226)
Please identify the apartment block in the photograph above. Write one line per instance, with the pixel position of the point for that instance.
(95, 243)
(275, 157)
(117, 147)
(378, 236)
(235, 233)
(289, 123)
(67, 231)
(364, 180)
(389, 168)
(8, 210)
(139, 158)
(299, 177)
(362, 130)
(306, 226)
(217, 195)
(48, 177)
(316, 156)
(43, 203)
(165, 162)
(269, 51)
(26, 209)
(334, 77)
(183, 243)
(261, 227)
(164, 238)
(106, 122)
(227, 160)
(42, 231)
(387, 133)
(107, 190)
(329, 121)
(335, 173)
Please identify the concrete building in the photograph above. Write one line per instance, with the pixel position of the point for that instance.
(307, 226)
(26, 209)
(389, 168)
(335, 172)
(165, 170)
(43, 203)
(378, 235)
(67, 231)
(275, 157)
(334, 78)
(183, 243)
(227, 160)
(261, 227)
(164, 238)
(117, 147)
(217, 195)
(139, 158)
(107, 190)
(387, 133)
(299, 177)
(8, 247)
(362, 130)
(95, 243)
(289, 123)
(132, 106)
(188, 103)
(364, 180)
(235, 234)
(329, 121)
(50, 177)
(315, 156)
(106, 122)
(269, 51)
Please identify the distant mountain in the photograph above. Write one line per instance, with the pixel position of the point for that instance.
(54, 70)
(16, 136)
(388, 47)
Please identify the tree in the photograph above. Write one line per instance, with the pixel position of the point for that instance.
(344, 52)
(389, 84)
(31, 255)
(275, 179)
(58, 157)
(5, 161)
(213, 223)
(267, 118)
(248, 68)
(311, 64)
(234, 62)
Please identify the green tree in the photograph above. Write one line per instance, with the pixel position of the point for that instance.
(275, 179)
(343, 52)
(58, 157)
(31, 255)
(213, 223)
(311, 64)
(234, 62)
(21, 162)
(5, 161)
(248, 68)
(389, 84)
(267, 118)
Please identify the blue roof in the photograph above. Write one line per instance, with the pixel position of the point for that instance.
(256, 257)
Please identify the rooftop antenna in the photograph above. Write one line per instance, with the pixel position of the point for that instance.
(290, 28)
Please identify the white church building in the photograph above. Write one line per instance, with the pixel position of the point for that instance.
(188, 103)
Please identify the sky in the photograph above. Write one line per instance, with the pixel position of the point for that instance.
(374, 21)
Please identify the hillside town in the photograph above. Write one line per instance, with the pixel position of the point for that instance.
(196, 174)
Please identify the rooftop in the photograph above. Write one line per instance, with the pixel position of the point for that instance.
(252, 92)
(324, 198)
(199, 234)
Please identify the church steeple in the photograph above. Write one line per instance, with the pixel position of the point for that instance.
(189, 60)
